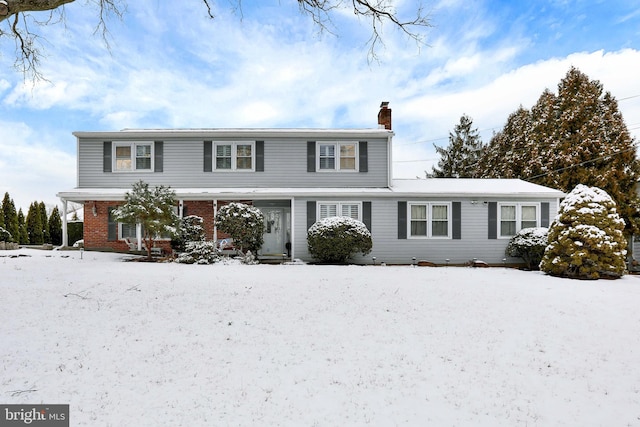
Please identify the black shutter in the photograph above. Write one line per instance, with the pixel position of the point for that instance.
(259, 156)
(456, 223)
(493, 220)
(402, 220)
(311, 213)
(311, 156)
(158, 153)
(106, 156)
(362, 153)
(184, 211)
(112, 226)
(208, 156)
(544, 214)
(366, 214)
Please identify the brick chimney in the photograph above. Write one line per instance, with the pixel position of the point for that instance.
(384, 116)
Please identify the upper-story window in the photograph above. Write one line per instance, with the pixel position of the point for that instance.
(133, 156)
(337, 156)
(513, 217)
(234, 156)
(429, 220)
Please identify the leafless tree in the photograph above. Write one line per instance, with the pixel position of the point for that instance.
(20, 20)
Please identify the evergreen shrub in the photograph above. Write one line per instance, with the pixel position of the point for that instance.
(529, 244)
(337, 239)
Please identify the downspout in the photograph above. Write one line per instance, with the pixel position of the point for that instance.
(215, 227)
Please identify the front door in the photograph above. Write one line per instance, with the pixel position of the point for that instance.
(273, 232)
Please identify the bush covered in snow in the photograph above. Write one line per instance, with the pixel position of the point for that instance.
(586, 239)
(243, 223)
(5, 236)
(337, 239)
(529, 244)
(189, 230)
(199, 252)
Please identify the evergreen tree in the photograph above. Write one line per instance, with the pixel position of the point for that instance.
(586, 239)
(152, 208)
(34, 225)
(575, 137)
(244, 223)
(10, 217)
(24, 235)
(1, 215)
(45, 222)
(55, 227)
(459, 159)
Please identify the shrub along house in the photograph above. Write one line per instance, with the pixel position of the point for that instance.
(298, 176)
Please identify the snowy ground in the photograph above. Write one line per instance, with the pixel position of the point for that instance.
(142, 344)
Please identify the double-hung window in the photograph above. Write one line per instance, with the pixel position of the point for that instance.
(337, 156)
(429, 220)
(513, 217)
(133, 157)
(234, 156)
(350, 209)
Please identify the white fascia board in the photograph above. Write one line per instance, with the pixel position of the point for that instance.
(233, 133)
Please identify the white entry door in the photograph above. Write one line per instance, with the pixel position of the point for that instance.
(273, 231)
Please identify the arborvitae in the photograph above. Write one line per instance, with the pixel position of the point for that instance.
(505, 155)
(55, 227)
(575, 137)
(586, 239)
(34, 225)
(45, 222)
(10, 217)
(459, 159)
(22, 224)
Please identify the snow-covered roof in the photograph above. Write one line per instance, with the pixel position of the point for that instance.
(239, 133)
(467, 188)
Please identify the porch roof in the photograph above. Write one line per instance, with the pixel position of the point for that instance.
(440, 187)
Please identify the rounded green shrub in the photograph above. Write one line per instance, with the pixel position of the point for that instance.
(243, 223)
(337, 239)
(586, 239)
(5, 236)
(529, 244)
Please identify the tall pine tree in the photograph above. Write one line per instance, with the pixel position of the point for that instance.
(22, 224)
(45, 222)
(55, 227)
(34, 225)
(575, 137)
(459, 159)
(10, 217)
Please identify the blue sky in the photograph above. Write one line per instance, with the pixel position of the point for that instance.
(269, 66)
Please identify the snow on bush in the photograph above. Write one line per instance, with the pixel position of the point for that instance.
(189, 230)
(336, 239)
(243, 223)
(529, 244)
(586, 239)
(5, 236)
(199, 252)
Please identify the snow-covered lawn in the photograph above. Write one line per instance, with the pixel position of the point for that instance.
(137, 344)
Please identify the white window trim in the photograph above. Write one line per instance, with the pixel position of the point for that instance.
(234, 156)
(338, 208)
(430, 235)
(519, 207)
(337, 145)
(133, 146)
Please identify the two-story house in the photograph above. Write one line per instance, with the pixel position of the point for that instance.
(298, 176)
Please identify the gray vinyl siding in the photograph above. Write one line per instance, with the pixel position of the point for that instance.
(388, 248)
(285, 165)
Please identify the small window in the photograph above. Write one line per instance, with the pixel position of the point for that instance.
(133, 157)
(337, 156)
(507, 220)
(429, 220)
(233, 156)
(349, 209)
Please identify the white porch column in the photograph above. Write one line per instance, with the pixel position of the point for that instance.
(293, 228)
(65, 238)
(139, 236)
